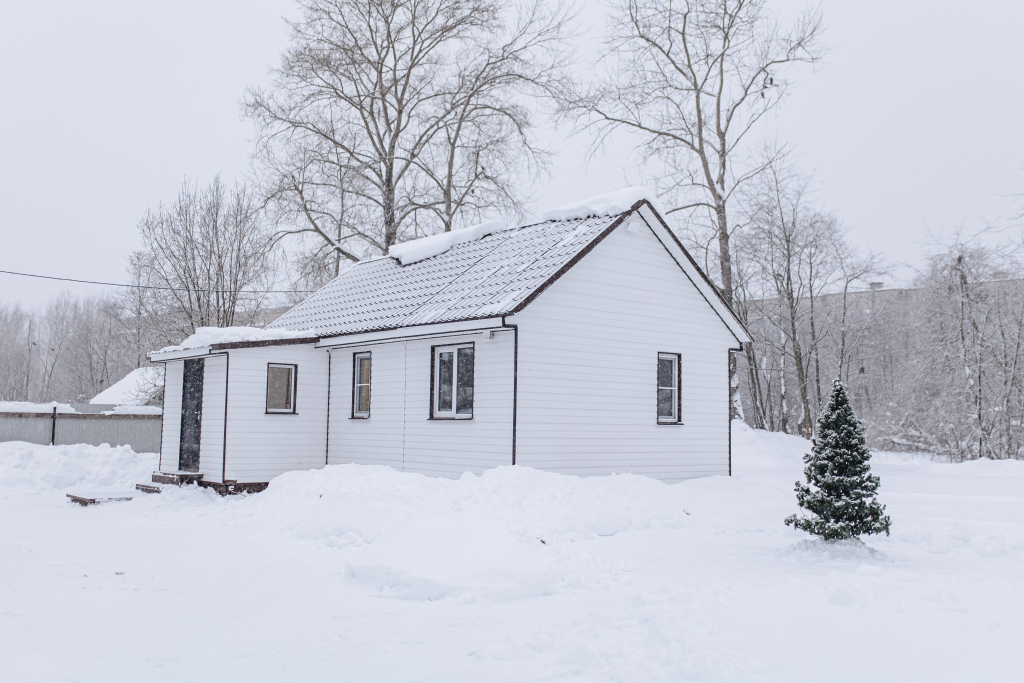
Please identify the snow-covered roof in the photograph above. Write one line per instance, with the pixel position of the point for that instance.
(134, 389)
(483, 272)
(486, 277)
(414, 251)
(208, 336)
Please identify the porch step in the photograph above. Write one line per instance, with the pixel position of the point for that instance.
(177, 478)
(85, 499)
(149, 488)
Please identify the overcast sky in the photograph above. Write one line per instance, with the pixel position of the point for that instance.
(912, 123)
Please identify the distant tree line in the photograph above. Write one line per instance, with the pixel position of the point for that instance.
(936, 366)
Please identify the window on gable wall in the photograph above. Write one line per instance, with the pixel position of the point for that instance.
(453, 382)
(668, 388)
(281, 387)
(361, 386)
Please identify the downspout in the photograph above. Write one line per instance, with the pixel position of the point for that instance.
(327, 440)
(160, 459)
(515, 381)
(227, 383)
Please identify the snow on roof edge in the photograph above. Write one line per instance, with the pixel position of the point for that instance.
(208, 336)
(414, 251)
(608, 204)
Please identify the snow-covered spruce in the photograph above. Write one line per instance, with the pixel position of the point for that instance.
(842, 503)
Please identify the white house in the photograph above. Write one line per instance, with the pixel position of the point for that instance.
(588, 343)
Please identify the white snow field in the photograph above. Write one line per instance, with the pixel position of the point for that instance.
(358, 573)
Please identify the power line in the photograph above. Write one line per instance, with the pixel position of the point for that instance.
(169, 289)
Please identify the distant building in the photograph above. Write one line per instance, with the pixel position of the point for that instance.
(140, 387)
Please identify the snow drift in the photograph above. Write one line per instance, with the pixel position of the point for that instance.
(515, 574)
(30, 469)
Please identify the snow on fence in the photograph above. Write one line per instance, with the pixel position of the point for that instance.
(140, 432)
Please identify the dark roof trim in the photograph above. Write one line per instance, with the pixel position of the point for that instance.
(575, 259)
(265, 342)
(496, 318)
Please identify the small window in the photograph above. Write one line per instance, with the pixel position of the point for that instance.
(453, 382)
(281, 388)
(361, 386)
(668, 388)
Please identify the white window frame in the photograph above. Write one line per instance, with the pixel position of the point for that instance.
(356, 357)
(435, 383)
(675, 418)
(295, 380)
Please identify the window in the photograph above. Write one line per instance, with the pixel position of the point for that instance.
(668, 388)
(281, 388)
(453, 382)
(361, 386)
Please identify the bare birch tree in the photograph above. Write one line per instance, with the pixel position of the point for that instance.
(392, 118)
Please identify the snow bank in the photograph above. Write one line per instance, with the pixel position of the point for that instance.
(609, 204)
(505, 534)
(207, 336)
(434, 245)
(28, 468)
(134, 389)
(28, 407)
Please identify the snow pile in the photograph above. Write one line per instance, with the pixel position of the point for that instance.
(208, 336)
(29, 468)
(507, 533)
(434, 245)
(513, 575)
(134, 389)
(849, 550)
(610, 204)
(29, 407)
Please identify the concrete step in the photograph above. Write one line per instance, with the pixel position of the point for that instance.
(177, 478)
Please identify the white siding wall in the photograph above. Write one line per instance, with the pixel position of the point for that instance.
(399, 432)
(262, 446)
(376, 440)
(211, 440)
(588, 350)
(171, 438)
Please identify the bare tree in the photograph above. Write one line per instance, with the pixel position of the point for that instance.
(790, 251)
(70, 350)
(211, 256)
(391, 118)
(691, 78)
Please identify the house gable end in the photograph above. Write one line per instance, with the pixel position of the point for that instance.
(652, 221)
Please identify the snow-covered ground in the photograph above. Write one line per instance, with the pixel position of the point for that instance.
(365, 574)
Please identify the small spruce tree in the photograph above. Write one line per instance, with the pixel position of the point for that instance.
(840, 490)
